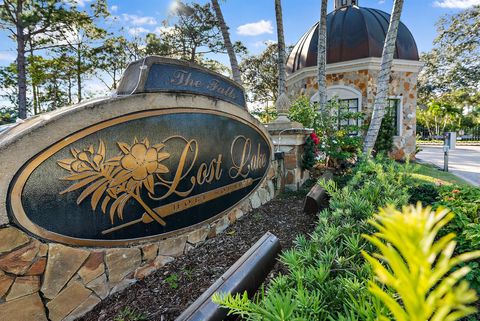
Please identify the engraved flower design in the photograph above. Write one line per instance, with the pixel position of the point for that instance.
(116, 180)
(85, 160)
(143, 161)
(140, 162)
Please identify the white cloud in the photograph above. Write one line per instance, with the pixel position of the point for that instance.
(139, 20)
(456, 4)
(80, 3)
(137, 31)
(263, 43)
(114, 8)
(381, 1)
(255, 28)
(7, 56)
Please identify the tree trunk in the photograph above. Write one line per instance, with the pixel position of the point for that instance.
(34, 86)
(282, 87)
(79, 74)
(70, 90)
(22, 75)
(228, 43)
(383, 79)
(192, 54)
(283, 102)
(322, 56)
(114, 85)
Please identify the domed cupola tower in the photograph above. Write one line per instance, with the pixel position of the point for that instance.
(355, 37)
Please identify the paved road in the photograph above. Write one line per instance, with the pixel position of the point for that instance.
(464, 161)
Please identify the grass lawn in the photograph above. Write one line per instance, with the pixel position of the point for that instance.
(431, 174)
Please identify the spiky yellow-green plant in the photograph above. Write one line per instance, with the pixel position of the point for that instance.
(417, 268)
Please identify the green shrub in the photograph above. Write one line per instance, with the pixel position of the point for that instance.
(128, 314)
(310, 152)
(414, 276)
(265, 114)
(426, 193)
(384, 142)
(327, 277)
(464, 201)
(7, 115)
(303, 112)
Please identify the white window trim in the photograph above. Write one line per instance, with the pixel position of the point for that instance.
(356, 94)
(399, 114)
(354, 91)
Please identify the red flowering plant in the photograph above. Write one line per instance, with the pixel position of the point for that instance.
(310, 151)
(337, 126)
(315, 138)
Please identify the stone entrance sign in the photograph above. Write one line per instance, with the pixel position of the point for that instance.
(127, 184)
(136, 167)
(139, 175)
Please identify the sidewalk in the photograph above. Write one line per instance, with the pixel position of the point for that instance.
(464, 161)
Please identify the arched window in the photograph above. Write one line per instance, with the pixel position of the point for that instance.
(350, 99)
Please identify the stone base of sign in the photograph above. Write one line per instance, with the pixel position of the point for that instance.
(40, 281)
(291, 141)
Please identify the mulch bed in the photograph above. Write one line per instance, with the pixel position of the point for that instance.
(164, 295)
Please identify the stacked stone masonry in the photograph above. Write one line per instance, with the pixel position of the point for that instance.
(291, 142)
(402, 85)
(49, 281)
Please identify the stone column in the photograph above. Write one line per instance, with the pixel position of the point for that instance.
(291, 142)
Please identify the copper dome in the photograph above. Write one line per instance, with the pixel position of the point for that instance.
(352, 33)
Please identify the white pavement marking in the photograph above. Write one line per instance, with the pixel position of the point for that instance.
(464, 161)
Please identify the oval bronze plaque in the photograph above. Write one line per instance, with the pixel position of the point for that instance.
(139, 176)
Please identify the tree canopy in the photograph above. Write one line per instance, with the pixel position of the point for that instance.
(449, 84)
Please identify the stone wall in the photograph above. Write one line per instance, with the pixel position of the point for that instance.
(403, 85)
(291, 141)
(49, 281)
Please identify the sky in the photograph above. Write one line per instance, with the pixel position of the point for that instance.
(253, 21)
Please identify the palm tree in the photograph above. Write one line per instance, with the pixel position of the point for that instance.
(228, 42)
(383, 79)
(283, 103)
(322, 56)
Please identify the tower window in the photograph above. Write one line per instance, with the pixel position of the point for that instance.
(348, 106)
(393, 114)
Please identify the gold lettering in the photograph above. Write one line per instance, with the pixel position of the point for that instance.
(214, 85)
(240, 167)
(179, 175)
(184, 78)
(218, 170)
(201, 173)
(209, 173)
(259, 160)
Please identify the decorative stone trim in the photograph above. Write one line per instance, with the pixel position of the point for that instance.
(371, 63)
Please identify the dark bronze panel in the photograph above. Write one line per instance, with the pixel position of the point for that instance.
(169, 77)
(139, 176)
